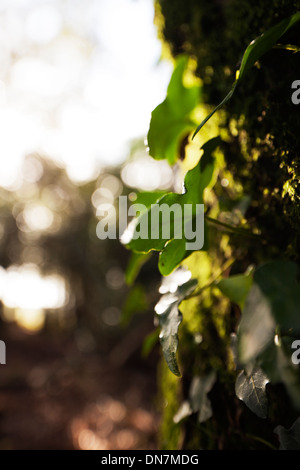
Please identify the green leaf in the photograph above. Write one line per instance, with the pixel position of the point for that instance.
(171, 120)
(289, 438)
(169, 318)
(167, 233)
(148, 197)
(265, 42)
(172, 255)
(135, 263)
(273, 302)
(278, 281)
(236, 287)
(257, 326)
(255, 50)
(277, 363)
(251, 389)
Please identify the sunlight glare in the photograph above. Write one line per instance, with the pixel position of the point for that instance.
(70, 89)
(43, 23)
(25, 288)
(38, 217)
(147, 174)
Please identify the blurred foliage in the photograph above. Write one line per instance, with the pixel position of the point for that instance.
(171, 121)
(50, 223)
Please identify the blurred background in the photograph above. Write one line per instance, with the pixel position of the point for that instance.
(78, 82)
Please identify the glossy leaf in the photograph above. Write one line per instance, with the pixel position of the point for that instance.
(171, 120)
(177, 278)
(172, 255)
(255, 50)
(148, 197)
(251, 389)
(169, 318)
(265, 42)
(151, 232)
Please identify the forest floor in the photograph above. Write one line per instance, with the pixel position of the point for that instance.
(52, 397)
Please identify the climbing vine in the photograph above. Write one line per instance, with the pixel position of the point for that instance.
(228, 319)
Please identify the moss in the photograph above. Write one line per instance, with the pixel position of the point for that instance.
(170, 433)
(216, 33)
(262, 164)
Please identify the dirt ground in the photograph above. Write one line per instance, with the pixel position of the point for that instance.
(53, 397)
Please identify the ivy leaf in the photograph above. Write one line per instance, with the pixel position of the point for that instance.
(257, 326)
(198, 400)
(171, 120)
(236, 287)
(169, 318)
(278, 281)
(255, 50)
(166, 225)
(171, 282)
(289, 438)
(251, 389)
(173, 253)
(277, 364)
(184, 411)
(273, 301)
(148, 197)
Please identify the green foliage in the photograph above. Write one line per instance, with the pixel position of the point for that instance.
(271, 305)
(245, 286)
(236, 287)
(171, 120)
(149, 233)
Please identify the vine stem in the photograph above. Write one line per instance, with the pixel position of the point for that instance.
(238, 230)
